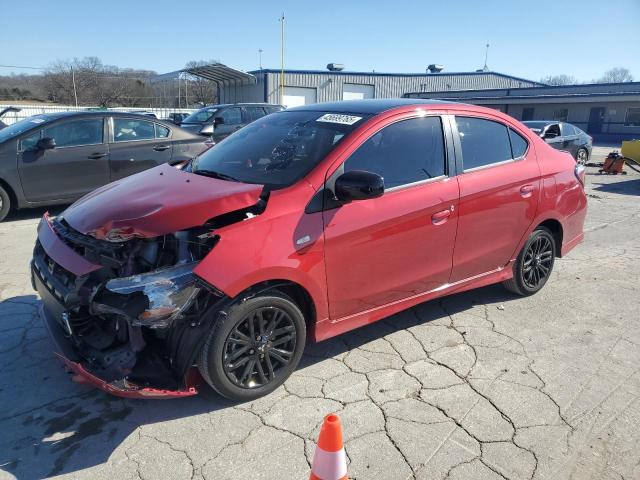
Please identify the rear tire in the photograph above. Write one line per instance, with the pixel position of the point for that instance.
(254, 348)
(5, 203)
(534, 264)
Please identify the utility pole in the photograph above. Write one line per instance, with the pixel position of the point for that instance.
(260, 57)
(282, 58)
(73, 80)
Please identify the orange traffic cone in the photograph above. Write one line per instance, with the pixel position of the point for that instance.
(329, 459)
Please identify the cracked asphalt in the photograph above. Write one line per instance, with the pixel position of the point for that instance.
(479, 385)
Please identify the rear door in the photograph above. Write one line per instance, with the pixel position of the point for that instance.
(385, 249)
(137, 145)
(499, 189)
(570, 138)
(77, 165)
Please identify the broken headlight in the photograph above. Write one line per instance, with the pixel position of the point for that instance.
(170, 291)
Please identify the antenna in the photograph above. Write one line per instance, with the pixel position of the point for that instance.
(260, 57)
(282, 58)
(486, 56)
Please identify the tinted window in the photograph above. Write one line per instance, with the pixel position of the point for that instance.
(568, 130)
(162, 132)
(554, 128)
(276, 150)
(231, 116)
(483, 142)
(28, 142)
(76, 132)
(19, 127)
(518, 144)
(404, 152)
(201, 116)
(127, 130)
(254, 113)
(632, 118)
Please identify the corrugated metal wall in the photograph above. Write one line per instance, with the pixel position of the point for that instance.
(329, 86)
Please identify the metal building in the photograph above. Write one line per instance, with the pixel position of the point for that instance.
(302, 87)
(609, 112)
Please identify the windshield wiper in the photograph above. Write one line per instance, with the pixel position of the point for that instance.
(214, 174)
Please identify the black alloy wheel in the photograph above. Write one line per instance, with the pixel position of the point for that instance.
(534, 264)
(253, 349)
(259, 347)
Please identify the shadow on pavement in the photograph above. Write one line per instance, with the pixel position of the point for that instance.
(66, 427)
(623, 187)
(33, 213)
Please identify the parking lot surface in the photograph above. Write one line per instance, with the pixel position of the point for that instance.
(481, 385)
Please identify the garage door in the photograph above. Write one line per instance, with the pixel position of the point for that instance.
(355, 91)
(297, 96)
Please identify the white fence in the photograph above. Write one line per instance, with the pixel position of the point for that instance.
(36, 109)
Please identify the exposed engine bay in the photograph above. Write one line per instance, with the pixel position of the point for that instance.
(137, 316)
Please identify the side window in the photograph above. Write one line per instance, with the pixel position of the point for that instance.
(127, 130)
(554, 128)
(28, 142)
(161, 131)
(568, 130)
(231, 116)
(76, 132)
(405, 152)
(483, 142)
(519, 144)
(254, 113)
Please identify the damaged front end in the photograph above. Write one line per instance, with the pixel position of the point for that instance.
(126, 316)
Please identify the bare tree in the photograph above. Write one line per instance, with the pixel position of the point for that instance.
(559, 80)
(616, 75)
(201, 90)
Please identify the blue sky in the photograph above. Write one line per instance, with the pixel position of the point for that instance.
(528, 39)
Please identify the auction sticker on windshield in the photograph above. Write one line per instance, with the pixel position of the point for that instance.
(338, 118)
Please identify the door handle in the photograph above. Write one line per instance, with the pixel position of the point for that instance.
(440, 217)
(95, 156)
(161, 148)
(526, 190)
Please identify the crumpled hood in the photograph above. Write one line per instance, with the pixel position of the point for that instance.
(156, 202)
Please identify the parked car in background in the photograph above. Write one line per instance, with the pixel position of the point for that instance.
(303, 225)
(3, 112)
(220, 121)
(56, 158)
(564, 136)
(177, 118)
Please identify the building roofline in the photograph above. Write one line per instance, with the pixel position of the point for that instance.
(534, 89)
(523, 97)
(389, 74)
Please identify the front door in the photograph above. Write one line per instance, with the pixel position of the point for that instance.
(596, 118)
(78, 164)
(137, 145)
(389, 248)
(499, 190)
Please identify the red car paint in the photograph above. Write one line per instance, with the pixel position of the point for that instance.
(364, 260)
(157, 201)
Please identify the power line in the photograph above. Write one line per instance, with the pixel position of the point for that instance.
(18, 66)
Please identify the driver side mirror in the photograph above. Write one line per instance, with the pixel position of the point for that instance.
(358, 185)
(218, 121)
(46, 143)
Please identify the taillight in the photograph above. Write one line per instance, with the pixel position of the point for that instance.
(580, 173)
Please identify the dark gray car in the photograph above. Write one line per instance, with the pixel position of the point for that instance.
(58, 157)
(564, 136)
(220, 121)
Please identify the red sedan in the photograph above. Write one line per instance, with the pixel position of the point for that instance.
(305, 224)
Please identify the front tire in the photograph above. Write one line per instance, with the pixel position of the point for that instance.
(5, 203)
(582, 156)
(254, 348)
(534, 264)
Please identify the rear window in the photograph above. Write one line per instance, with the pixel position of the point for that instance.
(483, 142)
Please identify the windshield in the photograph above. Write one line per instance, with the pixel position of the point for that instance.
(277, 150)
(201, 116)
(19, 127)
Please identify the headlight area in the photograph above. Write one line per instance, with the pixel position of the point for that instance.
(153, 300)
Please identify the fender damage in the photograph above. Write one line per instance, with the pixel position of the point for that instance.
(115, 273)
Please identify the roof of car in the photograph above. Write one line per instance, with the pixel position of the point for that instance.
(370, 106)
(541, 122)
(82, 113)
(241, 104)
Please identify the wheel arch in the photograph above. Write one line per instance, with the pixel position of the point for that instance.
(555, 227)
(12, 194)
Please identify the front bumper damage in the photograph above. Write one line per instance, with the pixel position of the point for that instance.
(107, 337)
